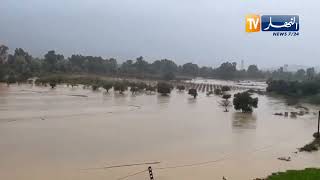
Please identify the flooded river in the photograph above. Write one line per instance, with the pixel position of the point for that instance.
(72, 133)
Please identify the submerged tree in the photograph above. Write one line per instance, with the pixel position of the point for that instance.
(53, 84)
(150, 89)
(107, 86)
(120, 86)
(193, 92)
(225, 88)
(181, 87)
(225, 103)
(95, 87)
(11, 79)
(164, 88)
(217, 91)
(134, 89)
(244, 102)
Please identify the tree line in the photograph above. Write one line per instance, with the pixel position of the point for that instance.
(21, 65)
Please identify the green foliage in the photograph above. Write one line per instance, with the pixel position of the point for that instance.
(225, 103)
(193, 92)
(244, 102)
(217, 91)
(312, 146)
(3, 53)
(164, 88)
(226, 96)
(107, 85)
(151, 88)
(225, 88)
(53, 61)
(141, 86)
(294, 88)
(25, 66)
(311, 73)
(181, 87)
(95, 87)
(53, 84)
(11, 78)
(307, 174)
(190, 69)
(226, 70)
(120, 86)
(134, 89)
(169, 76)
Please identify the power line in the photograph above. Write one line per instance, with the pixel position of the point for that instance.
(228, 156)
(208, 162)
(134, 174)
(123, 165)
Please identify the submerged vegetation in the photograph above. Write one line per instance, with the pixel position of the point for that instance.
(312, 146)
(244, 102)
(164, 88)
(193, 92)
(307, 90)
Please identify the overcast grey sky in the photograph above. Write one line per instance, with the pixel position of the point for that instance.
(206, 32)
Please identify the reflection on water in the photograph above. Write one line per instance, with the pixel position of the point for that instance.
(243, 120)
(192, 100)
(163, 100)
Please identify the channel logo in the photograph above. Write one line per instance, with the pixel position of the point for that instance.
(257, 23)
(253, 23)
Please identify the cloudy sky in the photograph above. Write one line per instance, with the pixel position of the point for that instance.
(206, 32)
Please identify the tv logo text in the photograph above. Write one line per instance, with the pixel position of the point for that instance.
(257, 23)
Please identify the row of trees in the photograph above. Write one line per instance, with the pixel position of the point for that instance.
(294, 88)
(22, 65)
(241, 101)
(299, 75)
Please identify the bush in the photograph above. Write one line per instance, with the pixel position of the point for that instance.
(141, 86)
(193, 92)
(107, 86)
(181, 87)
(226, 96)
(151, 88)
(53, 84)
(95, 87)
(120, 86)
(217, 91)
(225, 88)
(244, 102)
(134, 89)
(164, 88)
(11, 79)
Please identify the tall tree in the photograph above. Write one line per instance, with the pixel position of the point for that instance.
(190, 69)
(3, 53)
(52, 59)
(311, 73)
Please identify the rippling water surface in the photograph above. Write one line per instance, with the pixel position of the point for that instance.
(62, 133)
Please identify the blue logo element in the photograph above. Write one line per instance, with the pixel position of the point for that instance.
(280, 23)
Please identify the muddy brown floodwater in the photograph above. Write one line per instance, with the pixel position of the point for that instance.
(50, 134)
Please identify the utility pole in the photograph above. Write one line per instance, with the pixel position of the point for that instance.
(150, 173)
(318, 135)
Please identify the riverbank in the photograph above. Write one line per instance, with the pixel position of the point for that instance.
(306, 174)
